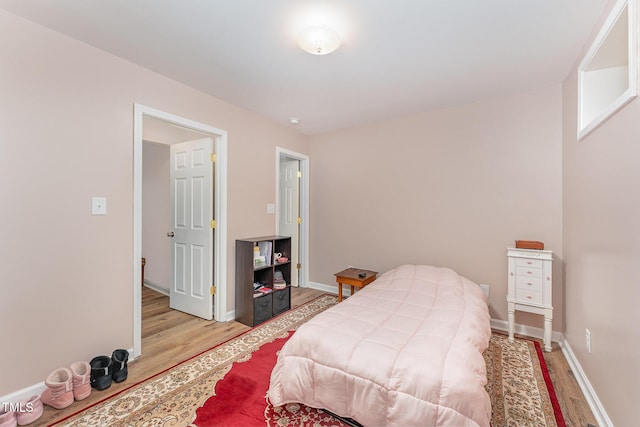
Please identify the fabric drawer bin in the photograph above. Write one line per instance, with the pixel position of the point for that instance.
(281, 300)
(262, 309)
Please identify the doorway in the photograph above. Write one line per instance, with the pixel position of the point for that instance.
(292, 209)
(219, 262)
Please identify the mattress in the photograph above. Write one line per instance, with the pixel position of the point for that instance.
(404, 350)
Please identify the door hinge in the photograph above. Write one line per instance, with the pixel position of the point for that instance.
(212, 290)
(214, 157)
(298, 266)
(213, 223)
(299, 174)
(299, 220)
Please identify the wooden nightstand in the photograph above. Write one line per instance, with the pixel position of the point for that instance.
(353, 278)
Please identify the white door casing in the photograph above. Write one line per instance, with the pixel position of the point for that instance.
(282, 154)
(191, 232)
(220, 207)
(290, 208)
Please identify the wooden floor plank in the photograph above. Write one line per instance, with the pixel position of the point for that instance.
(575, 408)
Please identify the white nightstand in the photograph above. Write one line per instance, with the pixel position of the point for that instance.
(530, 287)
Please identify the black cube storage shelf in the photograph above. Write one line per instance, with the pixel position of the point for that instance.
(252, 310)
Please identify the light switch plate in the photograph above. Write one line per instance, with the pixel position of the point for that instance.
(271, 208)
(99, 206)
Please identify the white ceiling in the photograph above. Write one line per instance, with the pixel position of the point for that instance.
(398, 56)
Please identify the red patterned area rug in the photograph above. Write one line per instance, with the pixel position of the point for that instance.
(239, 399)
(227, 385)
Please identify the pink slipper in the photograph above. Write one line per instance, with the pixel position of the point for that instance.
(59, 392)
(33, 410)
(7, 418)
(81, 372)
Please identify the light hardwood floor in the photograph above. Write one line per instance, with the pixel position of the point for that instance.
(170, 336)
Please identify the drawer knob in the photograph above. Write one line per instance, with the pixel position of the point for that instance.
(529, 297)
(529, 272)
(529, 283)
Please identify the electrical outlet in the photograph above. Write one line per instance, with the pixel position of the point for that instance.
(99, 206)
(485, 289)
(587, 335)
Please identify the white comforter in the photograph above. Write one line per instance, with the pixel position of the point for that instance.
(406, 350)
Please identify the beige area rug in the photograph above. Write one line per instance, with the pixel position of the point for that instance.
(519, 384)
(516, 381)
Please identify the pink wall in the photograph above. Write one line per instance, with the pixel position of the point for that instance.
(453, 187)
(601, 234)
(66, 126)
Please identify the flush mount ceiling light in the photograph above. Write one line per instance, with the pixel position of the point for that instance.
(319, 40)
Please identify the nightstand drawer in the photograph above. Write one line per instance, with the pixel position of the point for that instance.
(528, 297)
(525, 262)
(529, 283)
(528, 272)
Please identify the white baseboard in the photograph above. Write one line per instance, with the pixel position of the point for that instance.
(528, 331)
(156, 287)
(331, 289)
(24, 394)
(583, 382)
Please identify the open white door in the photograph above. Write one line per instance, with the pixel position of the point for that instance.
(191, 227)
(290, 209)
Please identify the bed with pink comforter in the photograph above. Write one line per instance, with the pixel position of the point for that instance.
(406, 350)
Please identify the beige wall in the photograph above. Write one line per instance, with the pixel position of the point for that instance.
(601, 198)
(156, 214)
(66, 135)
(453, 188)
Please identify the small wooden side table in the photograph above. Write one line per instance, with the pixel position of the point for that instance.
(354, 277)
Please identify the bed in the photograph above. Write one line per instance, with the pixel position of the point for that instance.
(405, 350)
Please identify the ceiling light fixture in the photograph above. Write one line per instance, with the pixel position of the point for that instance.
(319, 40)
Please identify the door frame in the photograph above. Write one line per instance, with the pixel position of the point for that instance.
(220, 212)
(303, 238)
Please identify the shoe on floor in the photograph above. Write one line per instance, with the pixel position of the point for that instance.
(101, 367)
(7, 418)
(119, 359)
(34, 410)
(81, 372)
(59, 392)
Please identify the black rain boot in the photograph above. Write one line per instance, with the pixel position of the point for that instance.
(120, 370)
(101, 368)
